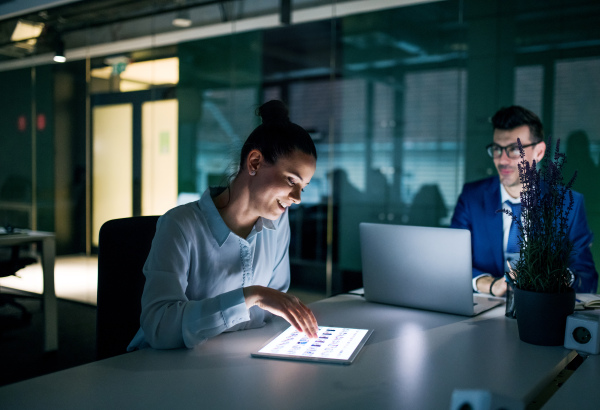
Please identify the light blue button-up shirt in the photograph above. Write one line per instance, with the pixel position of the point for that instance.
(197, 269)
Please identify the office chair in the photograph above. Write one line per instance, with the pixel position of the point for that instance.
(9, 267)
(123, 247)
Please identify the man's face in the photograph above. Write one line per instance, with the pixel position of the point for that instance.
(507, 167)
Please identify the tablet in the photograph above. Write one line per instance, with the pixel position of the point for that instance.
(333, 345)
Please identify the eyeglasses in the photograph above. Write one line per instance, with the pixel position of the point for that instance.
(512, 151)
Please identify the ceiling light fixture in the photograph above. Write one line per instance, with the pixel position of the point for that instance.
(182, 19)
(285, 12)
(59, 57)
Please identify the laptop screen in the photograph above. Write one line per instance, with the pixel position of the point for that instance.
(420, 267)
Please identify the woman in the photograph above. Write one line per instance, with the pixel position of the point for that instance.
(221, 263)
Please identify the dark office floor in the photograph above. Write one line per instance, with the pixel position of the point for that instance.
(22, 353)
(21, 346)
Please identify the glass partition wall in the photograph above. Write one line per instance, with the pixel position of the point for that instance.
(134, 135)
(397, 98)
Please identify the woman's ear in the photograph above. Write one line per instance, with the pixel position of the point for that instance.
(254, 161)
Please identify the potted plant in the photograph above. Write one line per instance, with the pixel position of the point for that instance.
(541, 278)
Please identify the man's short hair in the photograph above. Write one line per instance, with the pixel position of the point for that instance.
(509, 118)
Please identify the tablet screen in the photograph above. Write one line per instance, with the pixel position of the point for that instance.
(333, 344)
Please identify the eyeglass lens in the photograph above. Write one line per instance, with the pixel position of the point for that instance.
(495, 151)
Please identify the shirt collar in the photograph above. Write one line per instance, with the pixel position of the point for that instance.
(504, 196)
(264, 223)
(219, 230)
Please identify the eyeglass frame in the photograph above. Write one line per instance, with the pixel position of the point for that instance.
(505, 149)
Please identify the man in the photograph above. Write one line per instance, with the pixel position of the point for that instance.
(479, 201)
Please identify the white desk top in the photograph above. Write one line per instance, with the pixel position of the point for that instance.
(24, 236)
(413, 360)
(580, 391)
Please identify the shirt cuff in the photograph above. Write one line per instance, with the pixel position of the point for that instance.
(233, 306)
(475, 281)
(572, 281)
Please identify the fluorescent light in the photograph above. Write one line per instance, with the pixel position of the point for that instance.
(182, 19)
(155, 72)
(59, 57)
(181, 22)
(25, 30)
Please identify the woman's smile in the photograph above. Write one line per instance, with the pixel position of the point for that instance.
(282, 206)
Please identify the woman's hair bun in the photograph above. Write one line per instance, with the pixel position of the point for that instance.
(273, 111)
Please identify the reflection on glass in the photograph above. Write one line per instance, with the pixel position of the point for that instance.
(121, 74)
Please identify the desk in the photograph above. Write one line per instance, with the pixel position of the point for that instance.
(413, 360)
(47, 248)
(580, 391)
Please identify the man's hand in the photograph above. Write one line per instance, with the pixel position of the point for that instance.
(484, 283)
(284, 305)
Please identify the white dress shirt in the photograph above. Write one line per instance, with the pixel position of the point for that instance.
(506, 219)
(197, 269)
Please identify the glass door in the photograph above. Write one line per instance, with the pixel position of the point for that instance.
(159, 156)
(134, 157)
(112, 156)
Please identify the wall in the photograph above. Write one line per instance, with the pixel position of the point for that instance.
(398, 102)
(27, 149)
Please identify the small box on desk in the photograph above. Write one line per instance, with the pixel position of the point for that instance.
(582, 332)
(481, 399)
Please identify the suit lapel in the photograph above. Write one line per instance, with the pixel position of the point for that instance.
(494, 222)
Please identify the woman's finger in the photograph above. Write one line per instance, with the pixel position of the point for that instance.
(306, 319)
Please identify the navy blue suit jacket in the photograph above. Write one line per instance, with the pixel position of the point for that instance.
(476, 211)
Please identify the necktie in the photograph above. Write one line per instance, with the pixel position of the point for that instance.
(512, 245)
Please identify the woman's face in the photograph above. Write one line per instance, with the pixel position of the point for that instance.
(277, 186)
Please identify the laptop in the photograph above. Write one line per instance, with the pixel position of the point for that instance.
(420, 267)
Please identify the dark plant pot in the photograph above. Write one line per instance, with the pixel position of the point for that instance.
(542, 317)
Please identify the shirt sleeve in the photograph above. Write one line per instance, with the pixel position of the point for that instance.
(169, 320)
(581, 262)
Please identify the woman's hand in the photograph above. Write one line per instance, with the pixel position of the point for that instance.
(284, 305)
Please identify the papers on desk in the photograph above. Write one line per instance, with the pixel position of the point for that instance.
(587, 301)
(333, 345)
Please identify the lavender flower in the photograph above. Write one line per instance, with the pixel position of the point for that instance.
(546, 203)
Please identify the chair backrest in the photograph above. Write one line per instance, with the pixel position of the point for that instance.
(123, 247)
